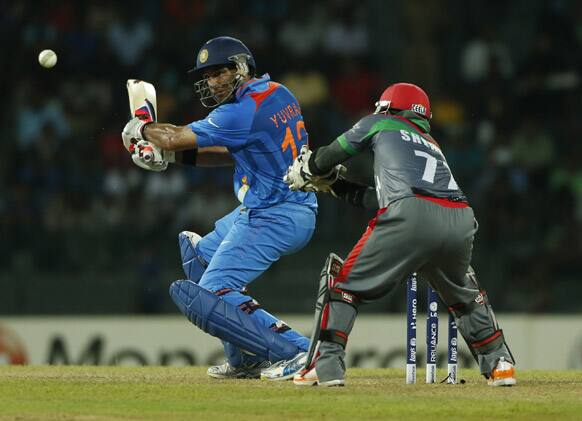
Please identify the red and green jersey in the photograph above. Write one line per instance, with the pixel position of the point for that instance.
(407, 160)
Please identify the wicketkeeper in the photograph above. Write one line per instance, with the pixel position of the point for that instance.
(424, 224)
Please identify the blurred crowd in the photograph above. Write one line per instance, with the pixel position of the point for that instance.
(503, 77)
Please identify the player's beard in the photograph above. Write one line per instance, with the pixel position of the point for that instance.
(222, 92)
(213, 96)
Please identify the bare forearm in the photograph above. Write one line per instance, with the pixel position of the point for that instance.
(169, 137)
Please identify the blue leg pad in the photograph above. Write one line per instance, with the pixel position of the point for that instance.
(229, 323)
(193, 263)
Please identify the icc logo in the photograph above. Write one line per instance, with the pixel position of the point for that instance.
(11, 349)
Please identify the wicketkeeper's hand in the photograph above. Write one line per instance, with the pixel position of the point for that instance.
(299, 177)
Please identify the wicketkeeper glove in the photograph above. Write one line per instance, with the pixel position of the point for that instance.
(299, 176)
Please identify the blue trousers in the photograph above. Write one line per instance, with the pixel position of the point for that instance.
(243, 245)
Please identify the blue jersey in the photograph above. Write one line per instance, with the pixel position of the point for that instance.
(263, 129)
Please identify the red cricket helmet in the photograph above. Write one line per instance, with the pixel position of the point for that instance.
(404, 96)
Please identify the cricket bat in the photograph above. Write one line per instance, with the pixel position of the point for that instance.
(143, 105)
(142, 100)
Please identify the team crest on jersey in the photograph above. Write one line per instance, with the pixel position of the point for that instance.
(418, 108)
(203, 56)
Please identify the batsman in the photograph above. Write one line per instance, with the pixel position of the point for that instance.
(424, 224)
(256, 125)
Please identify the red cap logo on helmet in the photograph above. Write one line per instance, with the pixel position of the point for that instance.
(405, 96)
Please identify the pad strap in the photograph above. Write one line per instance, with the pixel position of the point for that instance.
(279, 327)
(462, 309)
(222, 291)
(335, 336)
(250, 306)
(489, 344)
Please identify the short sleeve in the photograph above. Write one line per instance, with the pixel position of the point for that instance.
(358, 137)
(228, 125)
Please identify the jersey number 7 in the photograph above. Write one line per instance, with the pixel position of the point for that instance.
(430, 169)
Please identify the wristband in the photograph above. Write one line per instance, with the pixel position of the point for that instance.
(189, 157)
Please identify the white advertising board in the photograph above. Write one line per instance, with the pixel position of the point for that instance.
(537, 342)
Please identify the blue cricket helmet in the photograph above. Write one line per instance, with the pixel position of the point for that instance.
(222, 51)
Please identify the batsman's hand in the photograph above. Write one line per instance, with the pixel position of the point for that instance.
(132, 133)
(149, 157)
(299, 177)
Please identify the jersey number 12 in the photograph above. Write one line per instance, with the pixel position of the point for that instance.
(291, 141)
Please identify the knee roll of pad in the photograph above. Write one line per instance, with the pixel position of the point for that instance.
(193, 263)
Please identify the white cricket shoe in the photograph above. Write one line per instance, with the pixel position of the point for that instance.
(249, 371)
(285, 369)
(308, 377)
(503, 374)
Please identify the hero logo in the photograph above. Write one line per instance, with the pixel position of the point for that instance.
(11, 349)
(418, 108)
(479, 299)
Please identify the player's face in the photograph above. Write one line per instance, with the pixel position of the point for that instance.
(220, 81)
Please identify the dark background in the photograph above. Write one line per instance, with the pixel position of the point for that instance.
(82, 230)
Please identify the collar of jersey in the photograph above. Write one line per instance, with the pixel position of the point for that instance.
(419, 121)
(256, 84)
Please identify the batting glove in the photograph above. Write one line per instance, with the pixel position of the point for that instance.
(149, 157)
(132, 133)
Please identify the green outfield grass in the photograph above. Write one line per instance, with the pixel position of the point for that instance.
(173, 393)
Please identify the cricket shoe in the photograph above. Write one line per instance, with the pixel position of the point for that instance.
(503, 374)
(308, 377)
(285, 369)
(247, 371)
